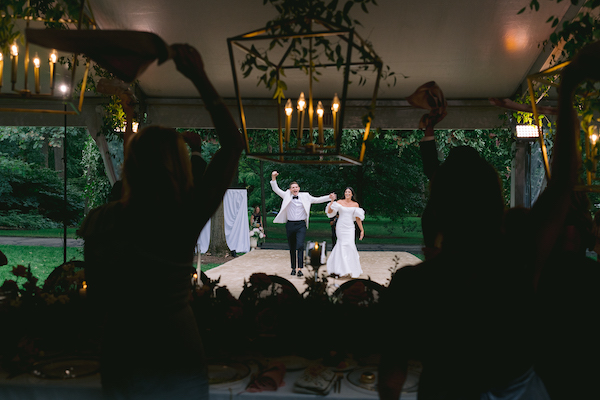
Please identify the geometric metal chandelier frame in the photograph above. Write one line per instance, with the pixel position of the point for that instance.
(589, 150)
(310, 146)
(22, 90)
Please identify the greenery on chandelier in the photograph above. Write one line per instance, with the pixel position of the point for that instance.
(297, 17)
(55, 14)
(569, 38)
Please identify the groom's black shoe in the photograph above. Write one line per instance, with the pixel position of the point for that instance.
(300, 274)
(293, 272)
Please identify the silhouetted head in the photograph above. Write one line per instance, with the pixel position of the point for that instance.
(157, 169)
(466, 205)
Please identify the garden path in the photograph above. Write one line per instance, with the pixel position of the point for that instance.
(376, 265)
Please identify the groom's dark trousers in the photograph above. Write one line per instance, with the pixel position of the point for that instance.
(296, 231)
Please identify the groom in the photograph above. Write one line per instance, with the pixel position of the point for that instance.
(294, 212)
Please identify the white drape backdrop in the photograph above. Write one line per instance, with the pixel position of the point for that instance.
(237, 231)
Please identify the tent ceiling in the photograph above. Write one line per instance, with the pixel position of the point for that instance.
(472, 49)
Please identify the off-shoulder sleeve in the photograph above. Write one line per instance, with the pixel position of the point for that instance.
(359, 213)
(335, 207)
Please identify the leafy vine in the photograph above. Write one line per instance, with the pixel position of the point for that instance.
(297, 16)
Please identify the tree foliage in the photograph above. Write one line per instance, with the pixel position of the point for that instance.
(391, 181)
(53, 12)
(31, 189)
(570, 37)
(295, 16)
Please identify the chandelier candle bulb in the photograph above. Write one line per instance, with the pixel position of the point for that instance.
(320, 112)
(52, 62)
(36, 73)
(301, 107)
(14, 57)
(288, 120)
(335, 108)
(1, 69)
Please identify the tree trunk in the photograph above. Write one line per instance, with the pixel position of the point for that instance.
(94, 126)
(58, 160)
(45, 147)
(218, 244)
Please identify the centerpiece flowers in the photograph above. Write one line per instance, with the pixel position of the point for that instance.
(257, 236)
(44, 320)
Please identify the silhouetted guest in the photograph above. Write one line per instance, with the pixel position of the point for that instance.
(471, 307)
(116, 191)
(567, 301)
(429, 96)
(139, 251)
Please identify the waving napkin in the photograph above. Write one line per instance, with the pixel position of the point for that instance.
(430, 97)
(270, 379)
(126, 54)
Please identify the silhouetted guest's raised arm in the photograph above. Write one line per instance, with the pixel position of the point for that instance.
(139, 252)
(211, 185)
(471, 307)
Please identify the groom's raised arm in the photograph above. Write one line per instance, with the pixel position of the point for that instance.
(274, 185)
(323, 199)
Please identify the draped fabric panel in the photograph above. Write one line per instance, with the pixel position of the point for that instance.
(237, 231)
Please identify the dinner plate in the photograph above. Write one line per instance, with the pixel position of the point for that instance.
(221, 376)
(353, 378)
(66, 368)
(292, 363)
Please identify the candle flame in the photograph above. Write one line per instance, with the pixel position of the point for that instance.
(335, 106)
(301, 102)
(1, 56)
(320, 110)
(288, 108)
(53, 57)
(14, 50)
(84, 285)
(594, 138)
(36, 61)
(316, 246)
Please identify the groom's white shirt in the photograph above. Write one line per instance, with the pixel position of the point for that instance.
(304, 197)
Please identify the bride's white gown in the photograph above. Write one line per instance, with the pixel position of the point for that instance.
(344, 259)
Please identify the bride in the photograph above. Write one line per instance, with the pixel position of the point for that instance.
(344, 258)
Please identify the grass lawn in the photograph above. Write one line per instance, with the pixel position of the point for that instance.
(377, 230)
(43, 260)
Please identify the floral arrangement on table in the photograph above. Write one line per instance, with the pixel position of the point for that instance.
(39, 321)
(259, 234)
